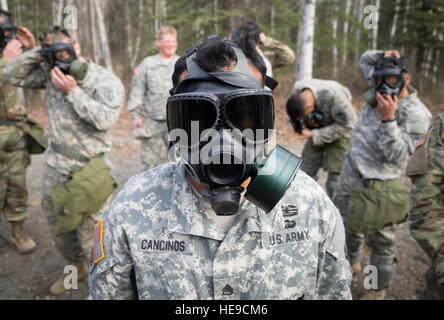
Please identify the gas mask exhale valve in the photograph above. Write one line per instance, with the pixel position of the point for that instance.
(235, 118)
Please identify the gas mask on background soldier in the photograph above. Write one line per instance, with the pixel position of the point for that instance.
(235, 118)
(7, 25)
(62, 55)
(311, 121)
(388, 78)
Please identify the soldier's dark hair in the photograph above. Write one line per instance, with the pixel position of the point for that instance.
(179, 68)
(296, 106)
(249, 31)
(5, 14)
(48, 38)
(215, 54)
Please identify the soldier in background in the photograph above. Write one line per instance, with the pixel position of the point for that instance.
(322, 112)
(426, 169)
(275, 53)
(370, 194)
(149, 92)
(83, 101)
(14, 153)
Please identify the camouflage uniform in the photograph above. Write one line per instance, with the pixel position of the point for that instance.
(328, 145)
(379, 151)
(149, 93)
(159, 243)
(276, 54)
(78, 122)
(14, 155)
(426, 170)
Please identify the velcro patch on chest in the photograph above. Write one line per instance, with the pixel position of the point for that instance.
(98, 253)
(164, 246)
(287, 238)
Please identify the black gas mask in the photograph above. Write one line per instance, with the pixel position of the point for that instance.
(388, 78)
(221, 121)
(66, 62)
(7, 25)
(311, 121)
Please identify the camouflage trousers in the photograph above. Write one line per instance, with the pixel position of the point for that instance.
(382, 242)
(427, 228)
(14, 158)
(75, 245)
(329, 157)
(154, 150)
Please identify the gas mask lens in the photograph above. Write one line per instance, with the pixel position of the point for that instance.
(183, 110)
(391, 80)
(249, 112)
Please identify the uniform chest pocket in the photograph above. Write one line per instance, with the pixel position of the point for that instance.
(290, 275)
(183, 276)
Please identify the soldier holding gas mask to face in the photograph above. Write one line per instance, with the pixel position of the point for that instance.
(370, 194)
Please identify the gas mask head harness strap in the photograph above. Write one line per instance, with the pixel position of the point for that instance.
(6, 24)
(232, 99)
(61, 54)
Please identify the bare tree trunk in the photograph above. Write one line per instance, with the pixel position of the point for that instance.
(59, 16)
(129, 31)
(404, 23)
(334, 35)
(358, 15)
(103, 36)
(346, 29)
(4, 4)
(95, 40)
(272, 17)
(215, 14)
(138, 39)
(375, 30)
(394, 25)
(305, 67)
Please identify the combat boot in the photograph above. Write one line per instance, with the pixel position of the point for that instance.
(20, 239)
(374, 295)
(59, 288)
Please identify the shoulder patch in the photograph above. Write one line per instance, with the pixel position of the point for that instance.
(421, 141)
(98, 253)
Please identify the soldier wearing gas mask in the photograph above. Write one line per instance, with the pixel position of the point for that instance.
(226, 220)
(14, 145)
(322, 112)
(83, 101)
(370, 194)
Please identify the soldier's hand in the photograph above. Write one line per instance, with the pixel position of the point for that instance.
(137, 123)
(305, 134)
(26, 38)
(387, 106)
(65, 83)
(392, 53)
(12, 50)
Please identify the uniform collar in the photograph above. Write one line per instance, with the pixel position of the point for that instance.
(187, 215)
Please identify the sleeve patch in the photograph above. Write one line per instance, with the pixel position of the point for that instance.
(98, 253)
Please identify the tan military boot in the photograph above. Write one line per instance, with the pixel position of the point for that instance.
(356, 267)
(374, 295)
(20, 238)
(58, 287)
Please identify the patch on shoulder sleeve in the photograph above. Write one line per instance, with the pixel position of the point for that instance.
(98, 253)
(421, 141)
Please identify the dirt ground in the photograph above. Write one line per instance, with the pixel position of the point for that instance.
(30, 276)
